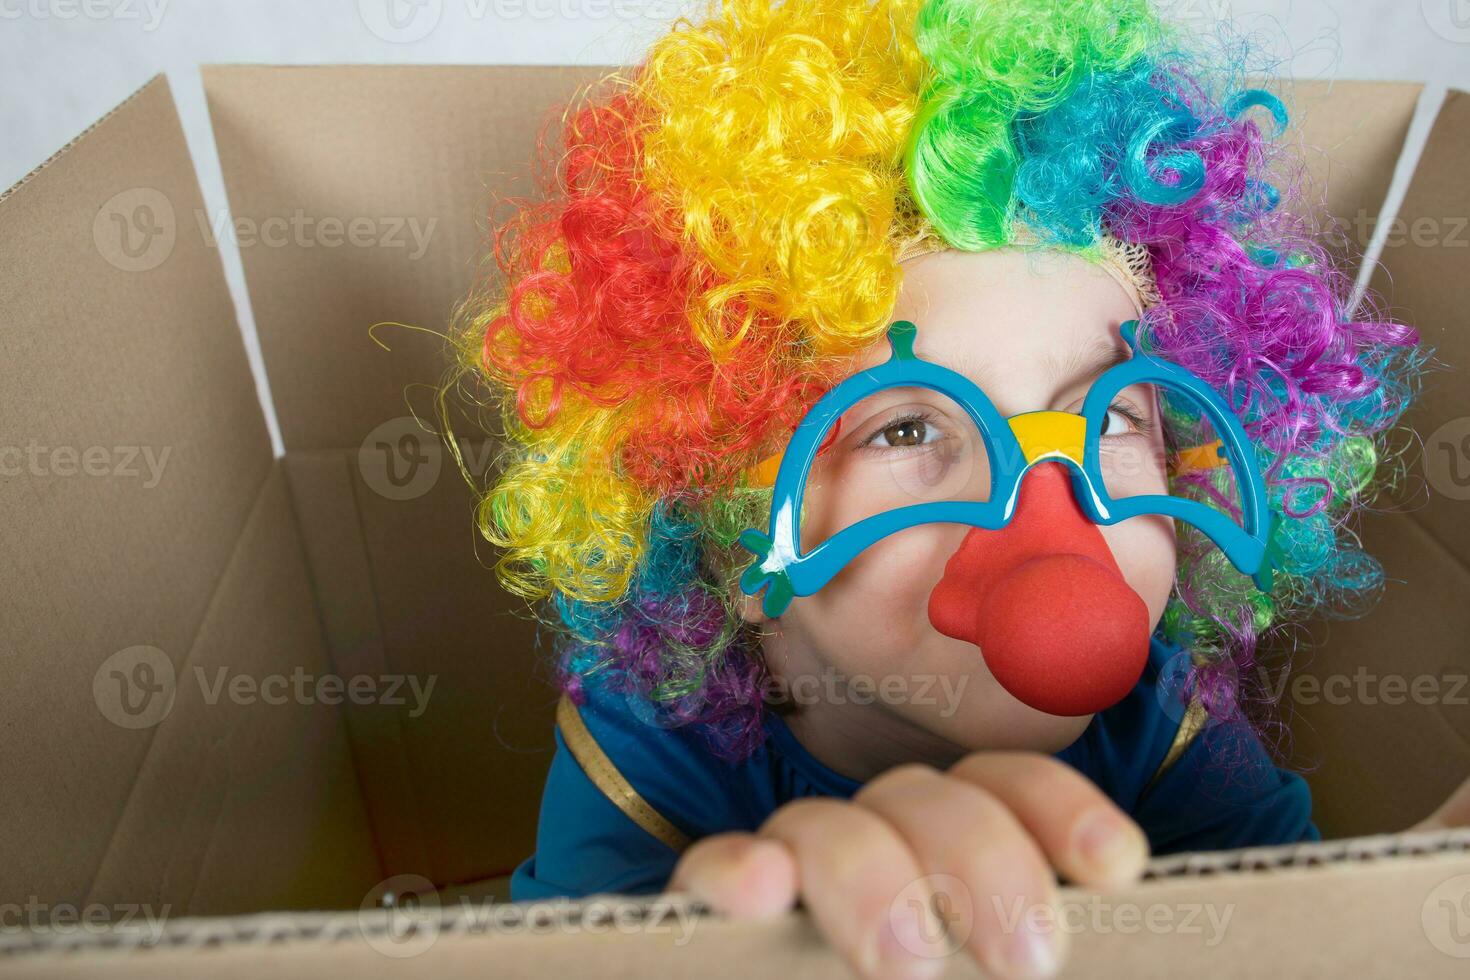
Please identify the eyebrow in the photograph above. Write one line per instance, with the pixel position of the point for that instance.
(1077, 363)
(1088, 360)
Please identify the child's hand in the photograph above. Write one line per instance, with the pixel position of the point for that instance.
(997, 822)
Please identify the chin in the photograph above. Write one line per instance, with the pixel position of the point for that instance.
(996, 721)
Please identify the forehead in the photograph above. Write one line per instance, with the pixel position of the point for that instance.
(1008, 316)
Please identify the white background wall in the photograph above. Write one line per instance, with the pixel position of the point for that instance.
(64, 63)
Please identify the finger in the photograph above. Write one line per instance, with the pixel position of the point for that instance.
(745, 876)
(1084, 834)
(851, 867)
(1005, 912)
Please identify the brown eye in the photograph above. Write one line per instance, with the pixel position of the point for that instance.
(908, 432)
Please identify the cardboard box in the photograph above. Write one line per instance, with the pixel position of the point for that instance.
(185, 611)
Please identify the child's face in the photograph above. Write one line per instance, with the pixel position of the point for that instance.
(1033, 332)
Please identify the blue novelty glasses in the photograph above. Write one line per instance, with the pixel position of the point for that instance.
(971, 472)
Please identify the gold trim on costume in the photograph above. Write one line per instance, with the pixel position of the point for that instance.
(606, 777)
(1189, 726)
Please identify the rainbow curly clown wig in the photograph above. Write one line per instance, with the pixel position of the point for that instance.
(719, 230)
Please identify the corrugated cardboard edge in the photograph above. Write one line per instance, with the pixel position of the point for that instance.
(1449, 847)
(158, 79)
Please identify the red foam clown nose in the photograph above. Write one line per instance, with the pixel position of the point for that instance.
(1046, 603)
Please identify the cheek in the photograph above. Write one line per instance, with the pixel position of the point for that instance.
(1143, 547)
(874, 614)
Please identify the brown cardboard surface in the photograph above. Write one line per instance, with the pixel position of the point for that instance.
(409, 143)
(110, 356)
(322, 487)
(1349, 136)
(1412, 749)
(1376, 908)
(1422, 275)
(455, 791)
(480, 752)
(248, 802)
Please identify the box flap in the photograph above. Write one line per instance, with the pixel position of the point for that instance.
(410, 156)
(1387, 697)
(132, 448)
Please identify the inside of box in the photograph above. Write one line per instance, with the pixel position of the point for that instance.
(355, 553)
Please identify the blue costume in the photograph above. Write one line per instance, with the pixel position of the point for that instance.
(623, 797)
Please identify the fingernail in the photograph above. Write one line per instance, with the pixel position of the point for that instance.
(1028, 953)
(906, 949)
(1105, 841)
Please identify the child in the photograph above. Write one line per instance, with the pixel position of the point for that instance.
(729, 234)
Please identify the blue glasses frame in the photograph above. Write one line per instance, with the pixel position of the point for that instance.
(785, 571)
